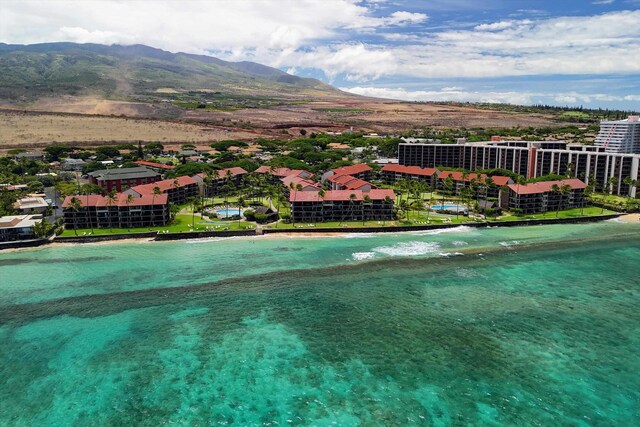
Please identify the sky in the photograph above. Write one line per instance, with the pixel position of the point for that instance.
(560, 52)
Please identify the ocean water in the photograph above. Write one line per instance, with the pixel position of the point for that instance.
(502, 326)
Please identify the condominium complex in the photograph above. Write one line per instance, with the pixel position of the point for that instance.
(620, 136)
(530, 159)
(342, 205)
(95, 211)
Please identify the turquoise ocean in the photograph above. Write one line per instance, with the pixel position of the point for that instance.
(484, 327)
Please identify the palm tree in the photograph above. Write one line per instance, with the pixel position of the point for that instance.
(352, 199)
(631, 183)
(112, 197)
(555, 189)
(367, 201)
(156, 192)
(128, 202)
(387, 201)
(76, 205)
(564, 191)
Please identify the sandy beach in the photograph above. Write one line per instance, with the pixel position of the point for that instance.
(634, 217)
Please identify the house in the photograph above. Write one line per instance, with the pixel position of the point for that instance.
(96, 211)
(360, 171)
(338, 146)
(341, 205)
(393, 173)
(30, 205)
(178, 190)
(18, 227)
(541, 197)
(223, 180)
(29, 155)
(72, 164)
(119, 178)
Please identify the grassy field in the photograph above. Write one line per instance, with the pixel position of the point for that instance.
(569, 213)
(181, 224)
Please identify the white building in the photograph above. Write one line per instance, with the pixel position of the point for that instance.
(620, 136)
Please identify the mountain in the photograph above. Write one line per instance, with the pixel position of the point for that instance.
(137, 72)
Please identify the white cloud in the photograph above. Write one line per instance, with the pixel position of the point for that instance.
(458, 94)
(325, 35)
(446, 94)
(603, 2)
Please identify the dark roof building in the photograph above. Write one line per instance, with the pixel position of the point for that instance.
(118, 178)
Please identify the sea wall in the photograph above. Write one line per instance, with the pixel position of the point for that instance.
(204, 234)
(23, 244)
(105, 237)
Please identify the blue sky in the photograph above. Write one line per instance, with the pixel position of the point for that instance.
(516, 51)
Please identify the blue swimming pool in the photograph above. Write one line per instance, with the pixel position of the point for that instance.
(229, 212)
(449, 208)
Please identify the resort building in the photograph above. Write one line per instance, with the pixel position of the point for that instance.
(484, 184)
(18, 227)
(393, 173)
(620, 136)
(341, 205)
(95, 211)
(298, 183)
(277, 174)
(360, 171)
(178, 190)
(120, 179)
(530, 159)
(348, 182)
(541, 197)
(222, 181)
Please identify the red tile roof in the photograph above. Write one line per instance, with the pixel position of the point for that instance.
(288, 180)
(352, 170)
(222, 173)
(350, 182)
(545, 186)
(340, 195)
(410, 170)
(154, 165)
(164, 185)
(457, 176)
(99, 201)
(282, 172)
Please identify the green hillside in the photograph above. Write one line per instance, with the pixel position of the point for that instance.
(137, 72)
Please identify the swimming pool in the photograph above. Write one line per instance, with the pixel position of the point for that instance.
(450, 208)
(229, 212)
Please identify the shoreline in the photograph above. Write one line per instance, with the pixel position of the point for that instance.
(312, 233)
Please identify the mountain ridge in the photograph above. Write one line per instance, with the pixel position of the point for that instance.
(137, 72)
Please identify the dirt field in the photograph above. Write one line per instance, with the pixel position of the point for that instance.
(37, 130)
(368, 115)
(91, 122)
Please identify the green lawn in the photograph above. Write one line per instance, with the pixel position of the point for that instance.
(569, 213)
(181, 224)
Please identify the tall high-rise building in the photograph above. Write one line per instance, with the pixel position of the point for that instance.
(620, 136)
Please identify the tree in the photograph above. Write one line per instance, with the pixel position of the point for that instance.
(43, 229)
(366, 201)
(555, 189)
(631, 183)
(156, 192)
(128, 203)
(75, 206)
(112, 197)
